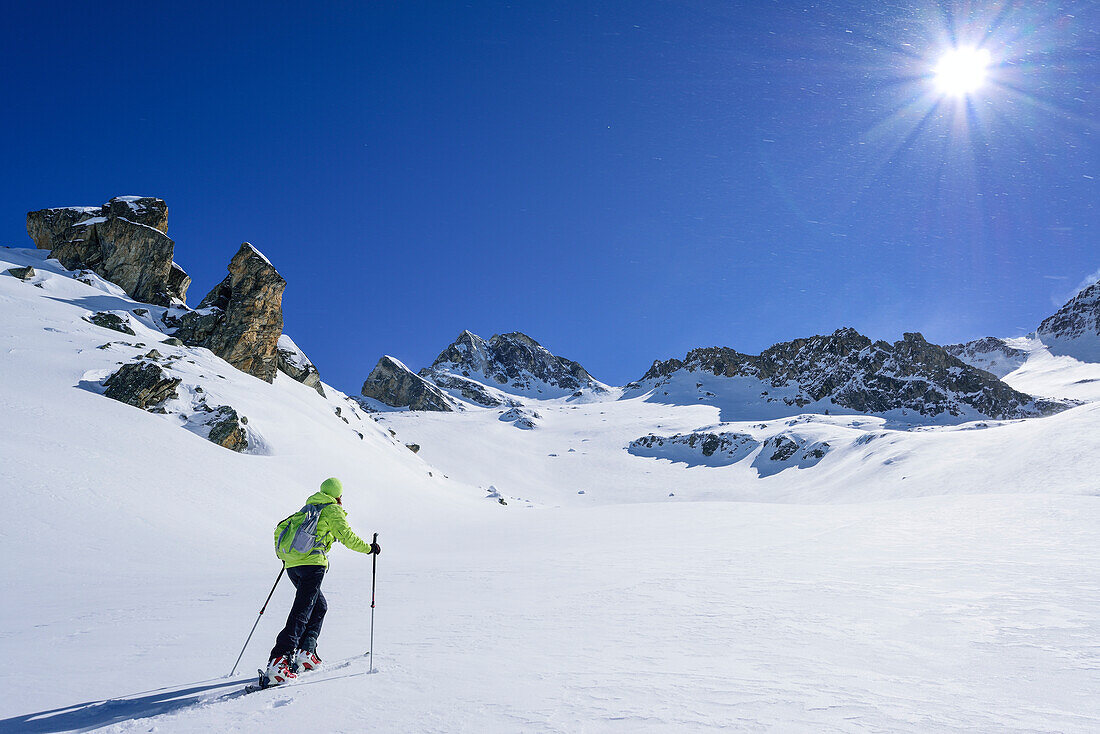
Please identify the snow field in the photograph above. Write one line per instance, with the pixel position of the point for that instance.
(838, 599)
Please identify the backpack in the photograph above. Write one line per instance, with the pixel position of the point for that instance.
(296, 536)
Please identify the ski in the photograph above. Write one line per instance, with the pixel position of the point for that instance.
(263, 683)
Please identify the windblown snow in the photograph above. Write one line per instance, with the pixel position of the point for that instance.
(606, 563)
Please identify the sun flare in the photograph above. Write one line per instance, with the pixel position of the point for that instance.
(962, 71)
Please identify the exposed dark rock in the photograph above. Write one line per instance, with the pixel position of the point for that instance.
(111, 321)
(141, 384)
(241, 319)
(172, 342)
(178, 283)
(154, 354)
(136, 257)
(147, 210)
(23, 274)
(851, 371)
(395, 385)
(227, 428)
(49, 228)
(123, 241)
(193, 327)
(413, 447)
(782, 448)
(294, 363)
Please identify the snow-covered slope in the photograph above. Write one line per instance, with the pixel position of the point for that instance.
(963, 597)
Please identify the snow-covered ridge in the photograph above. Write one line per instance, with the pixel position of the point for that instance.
(910, 380)
(991, 354)
(512, 363)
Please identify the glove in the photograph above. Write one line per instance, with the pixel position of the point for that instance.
(375, 548)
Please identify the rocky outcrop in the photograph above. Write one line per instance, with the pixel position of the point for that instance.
(295, 364)
(392, 383)
(178, 283)
(147, 210)
(50, 228)
(523, 418)
(123, 241)
(511, 362)
(991, 354)
(137, 258)
(241, 319)
(112, 321)
(227, 428)
(142, 384)
(1074, 330)
(847, 369)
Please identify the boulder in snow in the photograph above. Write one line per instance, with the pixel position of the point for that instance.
(143, 385)
(227, 429)
(23, 274)
(112, 321)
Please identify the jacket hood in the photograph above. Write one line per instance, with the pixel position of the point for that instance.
(320, 498)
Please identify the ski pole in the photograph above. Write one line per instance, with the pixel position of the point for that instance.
(262, 610)
(373, 578)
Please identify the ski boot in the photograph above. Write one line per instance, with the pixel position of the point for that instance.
(278, 672)
(305, 660)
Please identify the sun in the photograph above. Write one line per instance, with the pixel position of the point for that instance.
(962, 71)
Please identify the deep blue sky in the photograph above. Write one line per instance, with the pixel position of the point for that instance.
(623, 181)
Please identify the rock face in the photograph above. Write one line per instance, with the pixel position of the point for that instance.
(147, 210)
(392, 383)
(241, 319)
(141, 384)
(991, 354)
(123, 241)
(294, 363)
(513, 363)
(848, 370)
(1074, 330)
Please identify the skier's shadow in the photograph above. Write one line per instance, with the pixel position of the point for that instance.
(94, 714)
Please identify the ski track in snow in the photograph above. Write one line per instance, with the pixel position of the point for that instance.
(945, 579)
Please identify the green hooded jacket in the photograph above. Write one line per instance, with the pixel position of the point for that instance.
(331, 525)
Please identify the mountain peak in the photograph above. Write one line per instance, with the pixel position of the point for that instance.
(1074, 330)
(512, 362)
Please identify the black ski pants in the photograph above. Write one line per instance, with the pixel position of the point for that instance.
(303, 625)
